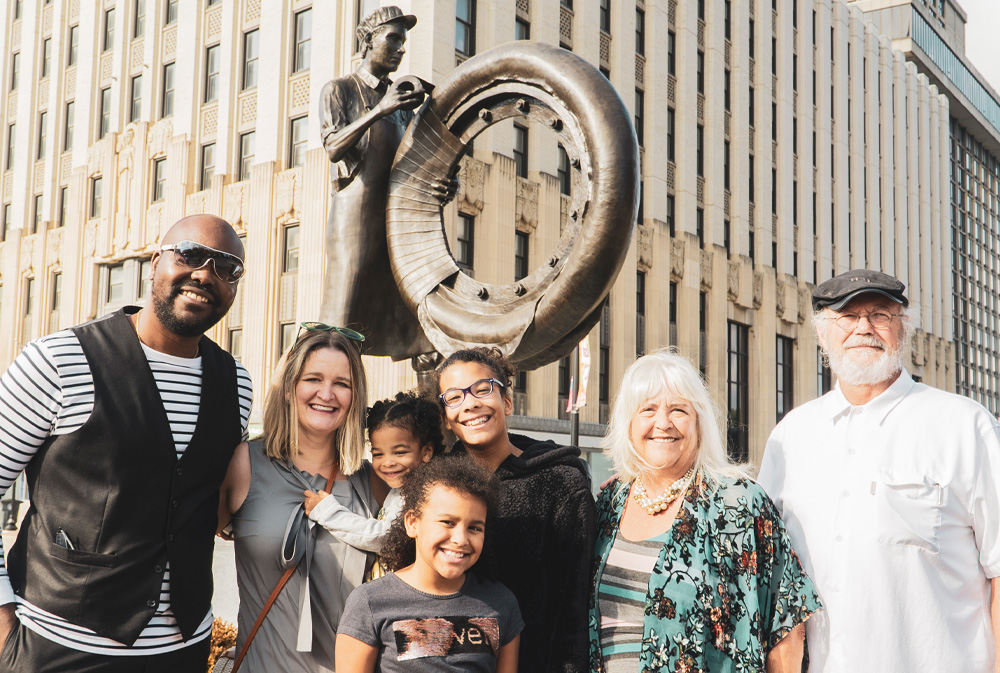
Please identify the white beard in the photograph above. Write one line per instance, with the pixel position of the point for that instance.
(855, 369)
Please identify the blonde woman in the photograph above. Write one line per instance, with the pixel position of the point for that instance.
(694, 568)
(314, 420)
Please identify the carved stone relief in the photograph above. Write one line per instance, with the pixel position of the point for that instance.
(53, 246)
(917, 345)
(236, 203)
(676, 260)
(779, 298)
(472, 178)
(286, 185)
(526, 207)
(644, 248)
(733, 277)
(159, 136)
(706, 270)
(805, 304)
(95, 158)
(758, 289)
(27, 252)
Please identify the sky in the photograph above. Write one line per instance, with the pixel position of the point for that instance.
(982, 37)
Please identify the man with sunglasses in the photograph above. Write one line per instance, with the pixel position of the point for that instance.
(890, 491)
(125, 427)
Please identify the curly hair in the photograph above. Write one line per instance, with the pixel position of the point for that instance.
(412, 413)
(457, 472)
(490, 357)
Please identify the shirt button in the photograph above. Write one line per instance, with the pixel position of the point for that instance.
(170, 538)
(846, 493)
(179, 471)
(174, 504)
(839, 538)
(157, 569)
(151, 603)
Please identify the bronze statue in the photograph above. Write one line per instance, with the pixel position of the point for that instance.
(390, 273)
(363, 117)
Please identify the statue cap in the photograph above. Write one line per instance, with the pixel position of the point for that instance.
(381, 16)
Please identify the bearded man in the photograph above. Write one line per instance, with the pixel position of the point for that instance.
(124, 426)
(890, 491)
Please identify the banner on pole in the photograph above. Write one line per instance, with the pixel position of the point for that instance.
(581, 398)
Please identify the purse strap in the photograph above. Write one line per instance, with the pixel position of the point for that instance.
(270, 600)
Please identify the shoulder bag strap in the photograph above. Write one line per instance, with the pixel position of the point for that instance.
(270, 601)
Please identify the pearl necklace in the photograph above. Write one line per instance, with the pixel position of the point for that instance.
(661, 502)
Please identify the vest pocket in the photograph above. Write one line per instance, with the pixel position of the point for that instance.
(84, 558)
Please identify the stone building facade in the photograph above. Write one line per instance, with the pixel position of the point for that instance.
(782, 141)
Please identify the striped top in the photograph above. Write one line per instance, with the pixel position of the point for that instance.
(49, 390)
(621, 597)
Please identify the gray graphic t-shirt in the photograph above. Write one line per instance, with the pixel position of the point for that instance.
(414, 631)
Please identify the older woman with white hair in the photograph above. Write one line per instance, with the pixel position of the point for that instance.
(694, 568)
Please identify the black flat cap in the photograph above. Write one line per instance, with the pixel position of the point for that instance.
(839, 290)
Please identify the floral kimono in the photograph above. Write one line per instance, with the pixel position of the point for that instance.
(726, 586)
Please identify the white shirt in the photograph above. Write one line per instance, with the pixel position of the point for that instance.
(894, 509)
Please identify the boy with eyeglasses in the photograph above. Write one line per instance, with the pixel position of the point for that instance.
(124, 426)
(890, 491)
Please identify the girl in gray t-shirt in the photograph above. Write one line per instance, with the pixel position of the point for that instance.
(432, 614)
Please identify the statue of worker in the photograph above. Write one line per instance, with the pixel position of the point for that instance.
(362, 120)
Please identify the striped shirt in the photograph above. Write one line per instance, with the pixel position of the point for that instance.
(621, 597)
(49, 390)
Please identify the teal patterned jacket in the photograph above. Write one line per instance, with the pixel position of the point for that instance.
(726, 586)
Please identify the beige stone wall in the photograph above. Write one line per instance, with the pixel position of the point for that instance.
(887, 213)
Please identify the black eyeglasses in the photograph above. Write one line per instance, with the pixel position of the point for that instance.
(481, 388)
(323, 327)
(191, 255)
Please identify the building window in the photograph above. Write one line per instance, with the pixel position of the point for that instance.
(466, 241)
(213, 57)
(670, 134)
(27, 324)
(291, 249)
(159, 180)
(727, 29)
(521, 150)
(109, 30)
(700, 144)
(564, 172)
(116, 284)
(139, 27)
(824, 375)
(604, 363)
(236, 344)
(465, 27)
(6, 222)
(701, 10)
(145, 278)
(251, 46)
(286, 339)
(74, 45)
(96, 195)
(640, 313)
(46, 56)
(247, 142)
(17, 9)
(170, 16)
(670, 215)
(299, 133)
(784, 374)
(605, 16)
(36, 219)
(521, 268)
(303, 40)
(703, 333)
(726, 81)
(738, 392)
(43, 125)
(55, 302)
(207, 165)
(68, 128)
(725, 165)
(672, 315)
(63, 206)
(640, 31)
(671, 53)
(638, 115)
(522, 29)
(105, 126)
(11, 143)
(15, 69)
(135, 110)
(167, 106)
(701, 72)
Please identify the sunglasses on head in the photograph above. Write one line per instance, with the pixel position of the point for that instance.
(191, 255)
(323, 327)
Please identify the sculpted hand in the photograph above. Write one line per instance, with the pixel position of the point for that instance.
(8, 622)
(312, 499)
(395, 99)
(445, 190)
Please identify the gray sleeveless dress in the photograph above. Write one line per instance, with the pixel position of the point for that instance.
(271, 531)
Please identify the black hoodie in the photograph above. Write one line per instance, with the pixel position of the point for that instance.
(539, 544)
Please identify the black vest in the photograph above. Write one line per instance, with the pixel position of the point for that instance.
(128, 505)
